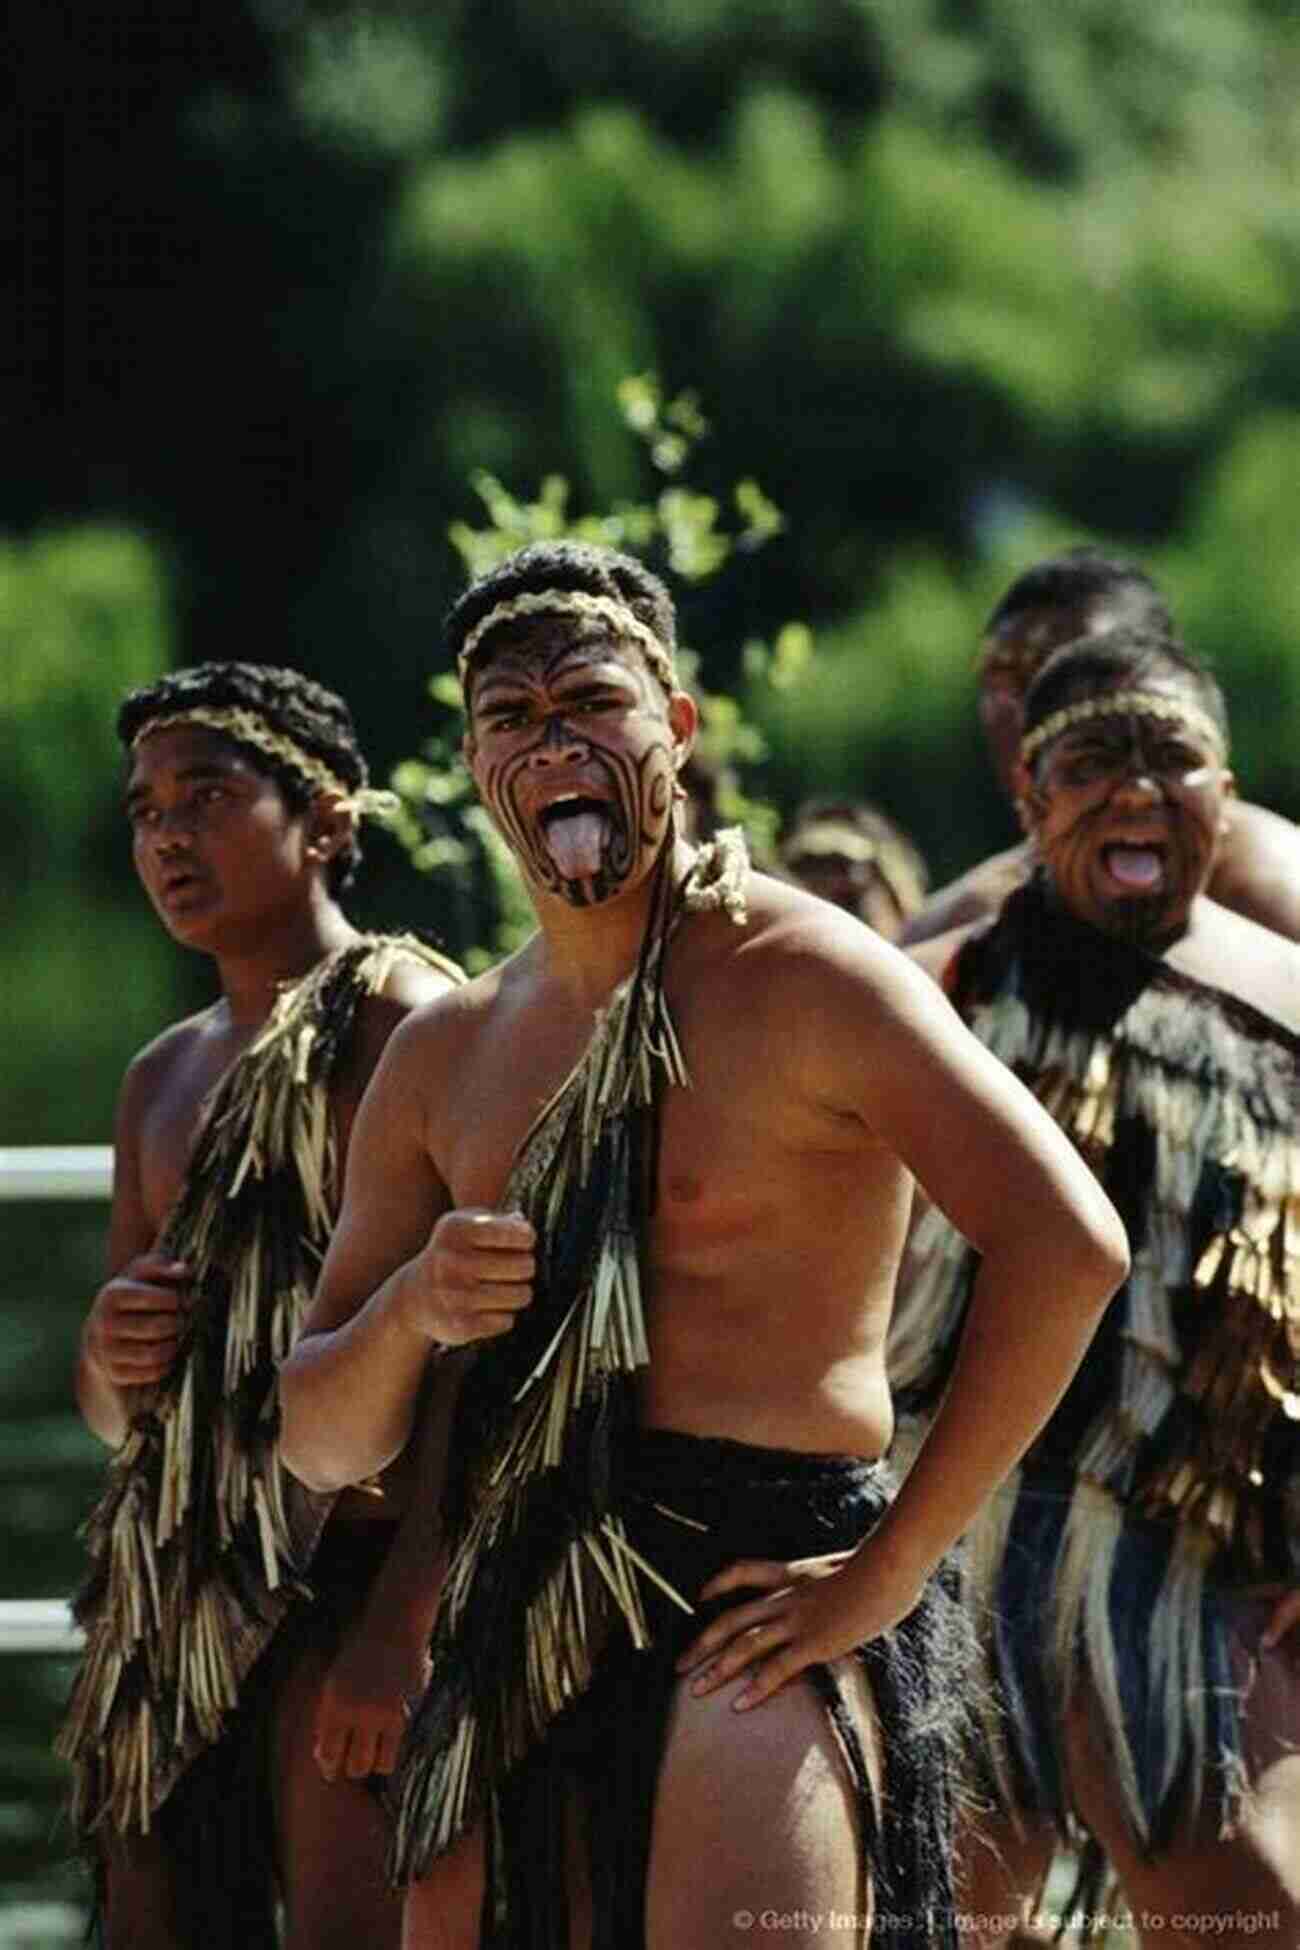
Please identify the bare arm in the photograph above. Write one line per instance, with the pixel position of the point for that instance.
(404, 1276)
(131, 1332)
(1053, 1251)
(986, 1152)
(1257, 872)
(973, 898)
(383, 1661)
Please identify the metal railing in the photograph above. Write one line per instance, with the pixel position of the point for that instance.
(46, 1171)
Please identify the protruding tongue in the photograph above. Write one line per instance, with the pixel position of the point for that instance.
(575, 841)
(1135, 866)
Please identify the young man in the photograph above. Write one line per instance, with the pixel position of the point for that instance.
(1257, 871)
(209, 1673)
(1142, 1581)
(849, 853)
(703, 1087)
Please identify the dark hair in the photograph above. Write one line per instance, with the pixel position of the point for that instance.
(305, 711)
(1080, 577)
(584, 566)
(899, 861)
(1097, 663)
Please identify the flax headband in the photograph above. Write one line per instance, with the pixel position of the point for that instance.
(573, 602)
(827, 836)
(1124, 704)
(250, 728)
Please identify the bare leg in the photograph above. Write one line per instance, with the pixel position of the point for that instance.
(755, 1816)
(140, 1897)
(332, 1836)
(1001, 1868)
(1237, 1890)
(442, 1910)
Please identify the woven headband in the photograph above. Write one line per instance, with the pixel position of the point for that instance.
(573, 602)
(828, 837)
(250, 728)
(1124, 704)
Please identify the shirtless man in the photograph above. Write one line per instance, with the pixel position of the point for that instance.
(811, 1071)
(1257, 870)
(243, 792)
(1144, 1575)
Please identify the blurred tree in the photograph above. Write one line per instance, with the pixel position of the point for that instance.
(84, 615)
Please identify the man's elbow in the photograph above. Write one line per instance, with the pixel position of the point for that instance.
(304, 1447)
(1101, 1253)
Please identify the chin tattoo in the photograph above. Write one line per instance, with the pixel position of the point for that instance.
(588, 849)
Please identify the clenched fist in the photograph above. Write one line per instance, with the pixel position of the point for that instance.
(133, 1329)
(474, 1276)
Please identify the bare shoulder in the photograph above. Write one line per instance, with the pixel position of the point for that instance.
(409, 984)
(152, 1069)
(1258, 870)
(974, 896)
(1255, 964)
(435, 1037)
(799, 962)
(412, 981)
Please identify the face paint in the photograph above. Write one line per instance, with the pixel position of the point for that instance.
(1127, 815)
(574, 757)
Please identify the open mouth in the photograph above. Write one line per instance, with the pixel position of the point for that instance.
(575, 829)
(1139, 868)
(178, 888)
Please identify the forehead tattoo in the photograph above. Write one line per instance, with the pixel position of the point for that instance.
(529, 667)
(1127, 704)
(572, 602)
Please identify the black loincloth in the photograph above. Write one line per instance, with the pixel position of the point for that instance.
(693, 1506)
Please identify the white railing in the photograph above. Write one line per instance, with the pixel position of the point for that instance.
(56, 1171)
(35, 1171)
(38, 1625)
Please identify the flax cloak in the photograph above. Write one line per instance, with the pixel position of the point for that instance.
(201, 1541)
(1178, 1444)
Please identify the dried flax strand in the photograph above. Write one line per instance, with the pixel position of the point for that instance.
(199, 1543)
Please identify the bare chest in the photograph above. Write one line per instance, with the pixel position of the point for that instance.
(168, 1126)
(729, 1146)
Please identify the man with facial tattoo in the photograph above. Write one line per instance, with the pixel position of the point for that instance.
(691, 1664)
(1078, 593)
(1139, 1585)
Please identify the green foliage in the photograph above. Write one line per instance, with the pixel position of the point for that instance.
(370, 86)
(1235, 581)
(83, 617)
